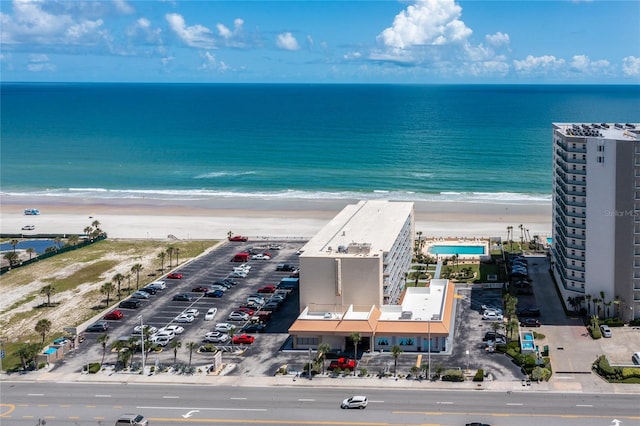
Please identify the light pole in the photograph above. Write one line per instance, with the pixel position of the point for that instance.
(467, 360)
(142, 340)
(309, 366)
(429, 351)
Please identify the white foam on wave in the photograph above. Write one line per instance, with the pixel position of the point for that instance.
(223, 173)
(291, 194)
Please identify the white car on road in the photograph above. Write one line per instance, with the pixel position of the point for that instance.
(211, 314)
(148, 329)
(192, 311)
(176, 329)
(261, 256)
(238, 316)
(492, 316)
(216, 337)
(159, 285)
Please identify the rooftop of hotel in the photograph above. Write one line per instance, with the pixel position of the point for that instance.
(367, 228)
(614, 131)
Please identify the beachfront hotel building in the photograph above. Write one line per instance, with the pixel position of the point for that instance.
(596, 213)
(352, 280)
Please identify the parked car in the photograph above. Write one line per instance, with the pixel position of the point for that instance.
(214, 293)
(114, 315)
(175, 276)
(160, 340)
(224, 327)
(216, 337)
(140, 295)
(224, 284)
(261, 256)
(149, 290)
(98, 327)
(635, 358)
(246, 310)
(130, 304)
(606, 331)
(492, 335)
(184, 318)
(285, 267)
(256, 299)
(184, 297)
(342, 364)
(230, 281)
(192, 311)
(267, 289)
(531, 311)
(242, 339)
(275, 247)
(200, 289)
(161, 285)
(218, 287)
(356, 401)
(238, 316)
(239, 238)
(492, 316)
(271, 306)
(148, 330)
(492, 308)
(28, 227)
(529, 322)
(252, 328)
(175, 329)
(211, 314)
(238, 274)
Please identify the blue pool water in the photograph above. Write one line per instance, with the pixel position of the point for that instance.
(456, 249)
(527, 337)
(38, 245)
(527, 345)
(549, 240)
(50, 351)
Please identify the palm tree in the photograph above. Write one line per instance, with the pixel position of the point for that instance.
(117, 278)
(509, 234)
(175, 345)
(521, 237)
(510, 326)
(510, 305)
(107, 288)
(616, 303)
(417, 244)
(73, 240)
(355, 338)
(14, 244)
(27, 352)
(96, 224)
(137, 268)
(42, 327)
(11, 257)
(596, 307)
(127, 277)
(88, 230)
(588, 297)
(191, 346)
(30, 251)
(608, 305)
(395, 352)
(323, 348)
(170, 251)
(177, 250)
(102, 340)
(58, 241)
(162, 255)
(48, 290)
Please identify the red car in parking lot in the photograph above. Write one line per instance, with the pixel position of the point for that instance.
(200, 289)
(238, 238)
(174, 276)
(267, 289)
(114, 315)
(243, 339)
(246, 310)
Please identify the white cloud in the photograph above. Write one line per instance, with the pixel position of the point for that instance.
(39, 63)
(31, 23)
(194, 36)
(538, 64)
(142, 29)
(581, 64)
(210, 63)
(123, 7)
(498, 39)
(631, 66)
(226, 33)
(287, 41)
(428, 22)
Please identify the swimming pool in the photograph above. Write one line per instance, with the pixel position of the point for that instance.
(457, 249)
(549, 240)
(50, 351)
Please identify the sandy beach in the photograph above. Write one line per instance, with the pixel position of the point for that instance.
(146, 218)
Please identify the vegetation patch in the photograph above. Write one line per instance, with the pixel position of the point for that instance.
(630, 375)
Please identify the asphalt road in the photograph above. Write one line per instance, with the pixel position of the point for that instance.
(25, 403)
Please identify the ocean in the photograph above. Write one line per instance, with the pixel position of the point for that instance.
(476, 143)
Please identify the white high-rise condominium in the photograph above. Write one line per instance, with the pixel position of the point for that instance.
(596, 216)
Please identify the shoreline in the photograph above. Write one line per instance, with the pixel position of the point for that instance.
(213, 218)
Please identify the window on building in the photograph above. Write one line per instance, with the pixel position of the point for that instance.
(307, 341)
(382, 341)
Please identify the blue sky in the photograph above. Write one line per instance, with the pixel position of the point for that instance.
(312, 41)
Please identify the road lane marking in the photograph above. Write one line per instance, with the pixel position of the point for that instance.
(514, 403)
(584, 405)
(35, 394)
(201, 409)
(170, 397)
(238, 398)
(6, 409)
(306, 399)
(445, 402)
(103, 396)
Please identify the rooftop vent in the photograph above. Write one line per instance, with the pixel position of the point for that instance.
(342, 249)
(406, 315)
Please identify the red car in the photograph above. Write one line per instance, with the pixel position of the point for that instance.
(200, 289)
(243, 339)
(343, 364)
(114, 315)
(238, 238)
(247, 311)
(174, 276)
(267, 289)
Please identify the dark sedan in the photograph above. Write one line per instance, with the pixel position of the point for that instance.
(182, 298)
(529, 322)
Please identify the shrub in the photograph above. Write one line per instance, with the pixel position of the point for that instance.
(452, 376)
(595, 332)
(635, 322)
(628, 372)
(613, 322)
(363, 372)
(540, 374)
(94, 367)
(538, 336)
(479, 377)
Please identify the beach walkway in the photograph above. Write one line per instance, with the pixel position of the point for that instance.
(436, 275)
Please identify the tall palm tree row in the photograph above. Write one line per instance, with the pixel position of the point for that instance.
(42, 327)
(136, 269)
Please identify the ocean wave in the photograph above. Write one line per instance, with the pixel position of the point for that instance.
(211, 175)
(292, 194)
